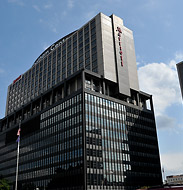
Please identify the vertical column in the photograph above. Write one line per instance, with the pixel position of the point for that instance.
(7, 123)
(83, 79)
(103, 86)
(63, 95)
(65, 89)
(92, 84)
(138, 99)
(108, 91)
(14, 118)
(51, 97)
(31, 109)
(151, 104)
(22, 113)
(41, 103)
(75, 86)
(84, 128)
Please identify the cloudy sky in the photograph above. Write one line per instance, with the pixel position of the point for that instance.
(27, 27)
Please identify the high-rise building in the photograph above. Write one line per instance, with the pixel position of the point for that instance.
(180, 74)
(84, 122)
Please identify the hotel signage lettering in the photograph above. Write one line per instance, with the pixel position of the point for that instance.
(120, 46)
(50, 49)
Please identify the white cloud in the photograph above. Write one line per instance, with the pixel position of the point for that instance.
(51, 24)
(172, 163)
(48, 6)
(150, 5)
(160, 80)
(53, 28)
(36, 8)
(1, 71)
(165, 122)
(138, 63)
(45, 46)
(70, 4)
(41, 20)
(172, 64)
(92, 13)
(18, 2)
(179, 56)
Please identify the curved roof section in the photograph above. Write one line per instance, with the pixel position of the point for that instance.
(52, 47)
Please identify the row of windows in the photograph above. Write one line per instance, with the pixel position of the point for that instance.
(102, 102)
(68, 118)
(74, 54)
(106, 112)
(60, 159)
(104, 181)
(127, 138)
(43, 148)
(110, 105)
(58, 143)
(106, 120)
(112, 167)
(63, 125)
(61, 106)
(43, 172)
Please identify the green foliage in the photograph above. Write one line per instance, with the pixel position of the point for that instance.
(145, 187)
(4, 184)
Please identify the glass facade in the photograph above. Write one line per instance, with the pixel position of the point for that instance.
(121, 145)
(114, 147)
(51, 150)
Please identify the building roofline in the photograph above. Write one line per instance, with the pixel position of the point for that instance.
(57, 42)
(179, 63)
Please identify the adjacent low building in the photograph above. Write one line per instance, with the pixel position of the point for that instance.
(84, 122)
(175, 179)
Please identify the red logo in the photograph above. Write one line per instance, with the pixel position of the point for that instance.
(17, 79)
(119, 30)
(120, 47)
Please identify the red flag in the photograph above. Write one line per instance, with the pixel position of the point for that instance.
(18, 133)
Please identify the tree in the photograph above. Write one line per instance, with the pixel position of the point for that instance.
(4, 184)
(145, 187)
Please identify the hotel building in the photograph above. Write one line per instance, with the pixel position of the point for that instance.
(84, 122)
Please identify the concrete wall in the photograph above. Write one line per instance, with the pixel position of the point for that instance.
(131, 59)
(127, 69)
(105, 47)
(122, 71)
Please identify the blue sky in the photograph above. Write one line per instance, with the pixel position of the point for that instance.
(29, 26)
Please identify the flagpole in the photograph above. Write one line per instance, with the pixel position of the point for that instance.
(18, 150)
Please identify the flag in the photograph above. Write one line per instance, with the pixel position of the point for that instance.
(18, 133)
(18, 139)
